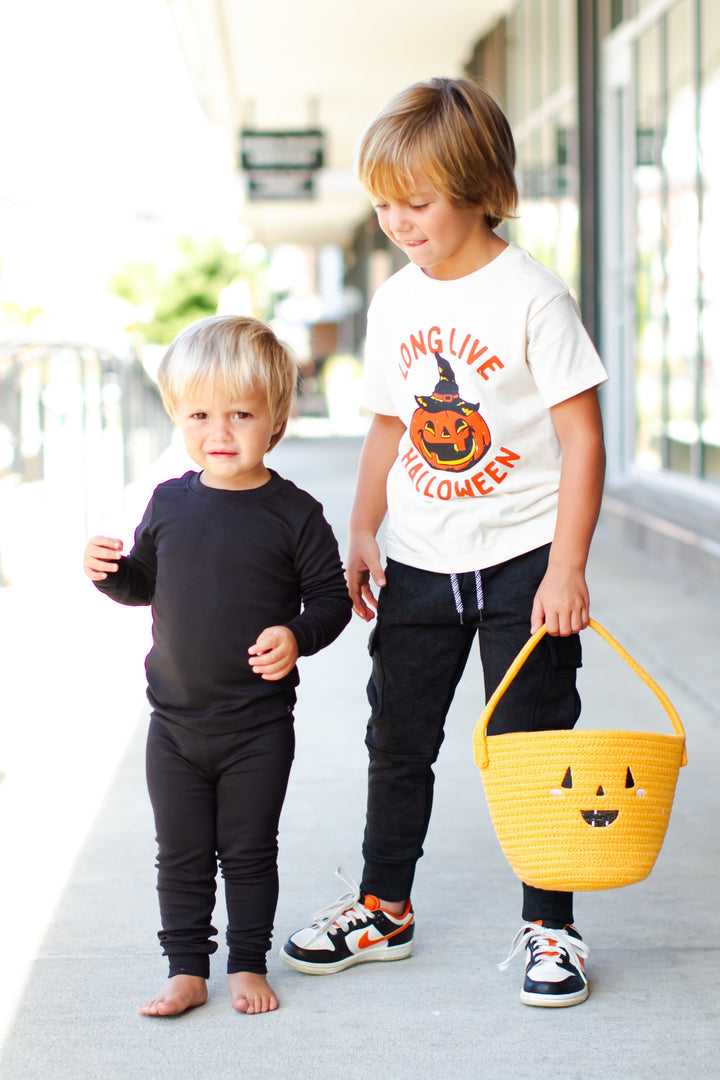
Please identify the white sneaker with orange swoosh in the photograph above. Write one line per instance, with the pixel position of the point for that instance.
(350, 931)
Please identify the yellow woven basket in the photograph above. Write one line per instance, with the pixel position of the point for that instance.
(580, 810)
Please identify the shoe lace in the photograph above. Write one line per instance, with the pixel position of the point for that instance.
(547, 941)
(345, 910)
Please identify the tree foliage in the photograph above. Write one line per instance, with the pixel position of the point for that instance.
(166, 303)
(14, 312)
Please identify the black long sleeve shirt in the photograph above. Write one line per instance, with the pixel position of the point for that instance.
(218, 567)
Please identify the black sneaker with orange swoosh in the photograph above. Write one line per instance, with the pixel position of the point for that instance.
(554, 965)
(350, 931)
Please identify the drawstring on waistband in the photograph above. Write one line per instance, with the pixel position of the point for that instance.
(457, 594)
(480, 596)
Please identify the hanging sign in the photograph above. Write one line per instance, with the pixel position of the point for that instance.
(281, 164)
(281, 149)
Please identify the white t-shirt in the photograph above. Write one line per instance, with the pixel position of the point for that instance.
(472, 366)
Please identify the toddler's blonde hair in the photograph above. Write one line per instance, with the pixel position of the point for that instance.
(237, 354)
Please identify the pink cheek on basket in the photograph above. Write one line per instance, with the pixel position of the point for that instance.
(557, 792)
(640, 793)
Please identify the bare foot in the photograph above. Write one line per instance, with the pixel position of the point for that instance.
(251, 993)
(179, 993)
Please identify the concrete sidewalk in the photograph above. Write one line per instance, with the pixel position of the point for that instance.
(446, 1013)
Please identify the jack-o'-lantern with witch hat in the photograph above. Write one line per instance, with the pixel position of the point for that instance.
(449, 432)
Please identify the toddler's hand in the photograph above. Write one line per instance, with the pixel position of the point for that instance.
(101, 555)
(274, 654)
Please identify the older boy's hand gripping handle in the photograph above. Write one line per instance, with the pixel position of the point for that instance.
(369, 508)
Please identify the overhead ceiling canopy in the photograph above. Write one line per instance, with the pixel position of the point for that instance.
(285, 65)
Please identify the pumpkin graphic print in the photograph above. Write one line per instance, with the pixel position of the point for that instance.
(448, 432)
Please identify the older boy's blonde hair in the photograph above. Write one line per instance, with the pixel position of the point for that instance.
(237, 354)
(453, 134)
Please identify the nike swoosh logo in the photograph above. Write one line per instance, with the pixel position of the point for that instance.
(366, 940)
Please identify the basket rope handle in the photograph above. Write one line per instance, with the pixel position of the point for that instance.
(480, 734)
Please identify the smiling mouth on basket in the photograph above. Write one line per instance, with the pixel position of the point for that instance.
(599, 818)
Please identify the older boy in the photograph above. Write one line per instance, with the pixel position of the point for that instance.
(486, 451)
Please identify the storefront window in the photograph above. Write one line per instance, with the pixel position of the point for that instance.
(709, 146)
(679, 160)
(679, 164)
(649, 259)
(677, 268)
(543, 113)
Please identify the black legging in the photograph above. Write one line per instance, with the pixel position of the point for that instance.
(217, 801)
(425, 628)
